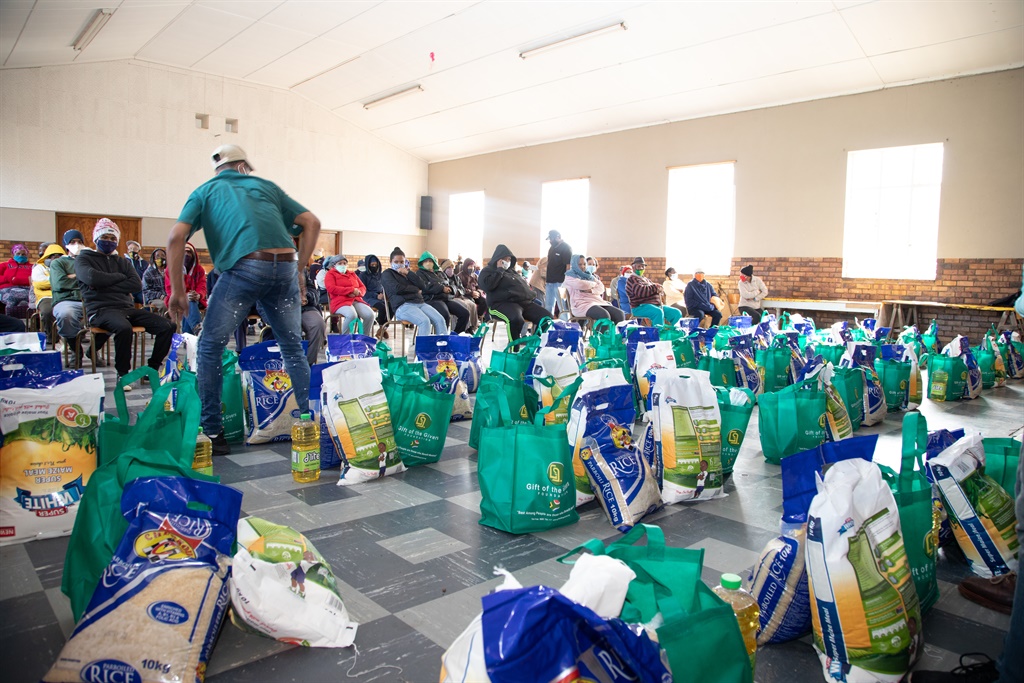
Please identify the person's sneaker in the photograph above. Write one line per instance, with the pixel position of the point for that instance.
(995, 593)
(220, 445)
(975, 672)
(126, 387)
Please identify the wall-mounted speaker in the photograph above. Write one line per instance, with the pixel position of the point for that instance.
(426, 213)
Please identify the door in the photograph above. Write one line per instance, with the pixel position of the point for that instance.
(328, 241)
(131, 228)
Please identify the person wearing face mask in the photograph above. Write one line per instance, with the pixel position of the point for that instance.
(154, 281)
(700, 298)
(508, 294)
(674, 290)
(470, 281)
(195, 287)
(16, 282)
(459, 294)
(586, 292)
(592, 267)
(752, 292)
(43, 289)
(438, 292)
(406, 299)
(370, 271)
(108, 283)
(645, 297)
(133, 252)
(346, 291)
(66, 295)
(618, 287)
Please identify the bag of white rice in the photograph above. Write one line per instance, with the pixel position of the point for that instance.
(359, 421)
(552, 370)
(155, 614)
(620, 475)
(605, 391)
(270, 407)
(48, 428)
(282, 587)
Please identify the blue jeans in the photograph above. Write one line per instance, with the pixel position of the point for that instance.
(424, 317)
(1011, 662)
(275, 286)
(552, 295)
(191, 321)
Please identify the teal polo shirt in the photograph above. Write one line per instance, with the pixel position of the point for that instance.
(241, 214)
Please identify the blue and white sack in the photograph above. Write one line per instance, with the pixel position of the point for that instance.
(650, 357)
(862, 355)
(742, 347)
(183, 356)
(961, 347)
(604, 391)
(564, 335)
(453, 355)
(348, 346)
(270, 405)
(19, 342)
(329, 458)
(34, 363)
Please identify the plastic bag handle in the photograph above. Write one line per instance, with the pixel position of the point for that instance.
(599, 325)
(545, 323)
(501, 399)
(915, 442)
(569, 391)
(131, 377)
(533, 339)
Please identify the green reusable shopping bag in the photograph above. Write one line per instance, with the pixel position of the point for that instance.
(849, 382)
(1002, 458)
(895, 378)
(521, 399)
(773, 365)
(232, 406)
(419, 416)
(514, 362)
(791, 420)
(987, 364)
(721, 342)
(525, 473)
(734, 425)
(722, 370)
(919, 519)
(699, 631)
(947, 377)
(830, 352)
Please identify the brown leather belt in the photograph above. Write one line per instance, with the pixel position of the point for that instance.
(273, 256)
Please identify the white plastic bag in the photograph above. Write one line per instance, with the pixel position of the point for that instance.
(561, 366)
(649, 357)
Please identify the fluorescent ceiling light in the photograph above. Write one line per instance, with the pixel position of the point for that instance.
(393, 96)
(95, 25)
(572, 39)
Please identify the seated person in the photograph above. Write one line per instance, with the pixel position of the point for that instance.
(438, 293)
(585, 292)
(406, 299)
(134, 254)
(67, 296)
(539, 277)
(645, 297)
(16, 282)
(346, 291)
(314, 328)
(9, 324)
(752, 292)
(108, 283)
(508, 294)
(674, 290)
(43, 289)
(459, 294)
(370, 274)
(195, 285)
(618, 288)
(700, 296)
(470, 280)
(592, 262)
(154, 282)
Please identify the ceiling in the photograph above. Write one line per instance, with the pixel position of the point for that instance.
(674, 61)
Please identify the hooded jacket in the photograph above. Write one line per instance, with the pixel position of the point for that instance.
(340, 288)
(504, 286)
(371, 278)
(468, 277)
(106, 280)
(14, 274)
(401, 289)
(431, 282)
(195, 277)
(41, 272)
(153, 287)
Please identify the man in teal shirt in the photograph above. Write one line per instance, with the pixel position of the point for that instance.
(251, 227)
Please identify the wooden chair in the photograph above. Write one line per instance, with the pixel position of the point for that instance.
(138, 341)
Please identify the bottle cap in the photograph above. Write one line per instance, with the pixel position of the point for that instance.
(200, 430)
(732, 581)
(304, 416)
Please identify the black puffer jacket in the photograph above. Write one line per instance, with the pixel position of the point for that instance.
(504, 286)
(371, 278)
(400, 289)
(106, 281)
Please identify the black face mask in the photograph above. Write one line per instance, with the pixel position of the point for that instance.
(190, 261)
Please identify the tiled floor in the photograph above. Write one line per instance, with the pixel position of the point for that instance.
(413, 562)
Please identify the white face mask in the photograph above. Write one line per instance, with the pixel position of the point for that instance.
(504, 264)
(341, 268)
(73, 249)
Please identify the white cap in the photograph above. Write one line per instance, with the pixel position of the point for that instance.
(225, 154)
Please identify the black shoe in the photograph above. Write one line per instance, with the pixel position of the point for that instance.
(220, 445)
(977, 672)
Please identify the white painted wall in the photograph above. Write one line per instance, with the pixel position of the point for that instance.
(120, 138)
(790, 172)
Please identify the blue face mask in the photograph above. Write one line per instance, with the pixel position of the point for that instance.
(397, 266)
(591, 269)
(21, 258)
(106, 246)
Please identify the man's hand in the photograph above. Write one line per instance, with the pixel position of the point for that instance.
(447, 290)
(193, 296)
(177, 305)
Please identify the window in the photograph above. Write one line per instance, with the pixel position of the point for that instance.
(701, 225)
(565, 207)
(466, 226)
(891, 227)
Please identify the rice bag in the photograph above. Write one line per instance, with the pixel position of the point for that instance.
(19, 342)
(603, 391)
(158, 607)
(359, 421)
(687, 427)
(619, 473)
(742, 347)
(650, 357)
(864, 607)
(837, 420)
(270, 406)
(980, 511)
(282, 587)
(551, 371)
(454, 355)
(796, 358)
(183, 356)
(960, 347)
(862, 355)
(38, 363)
(564, 335)
(1010, 347)
(348, 346)
(49, 428)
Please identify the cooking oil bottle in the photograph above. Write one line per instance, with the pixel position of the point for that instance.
(305, 450)
(745, 608)
(203, 460)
